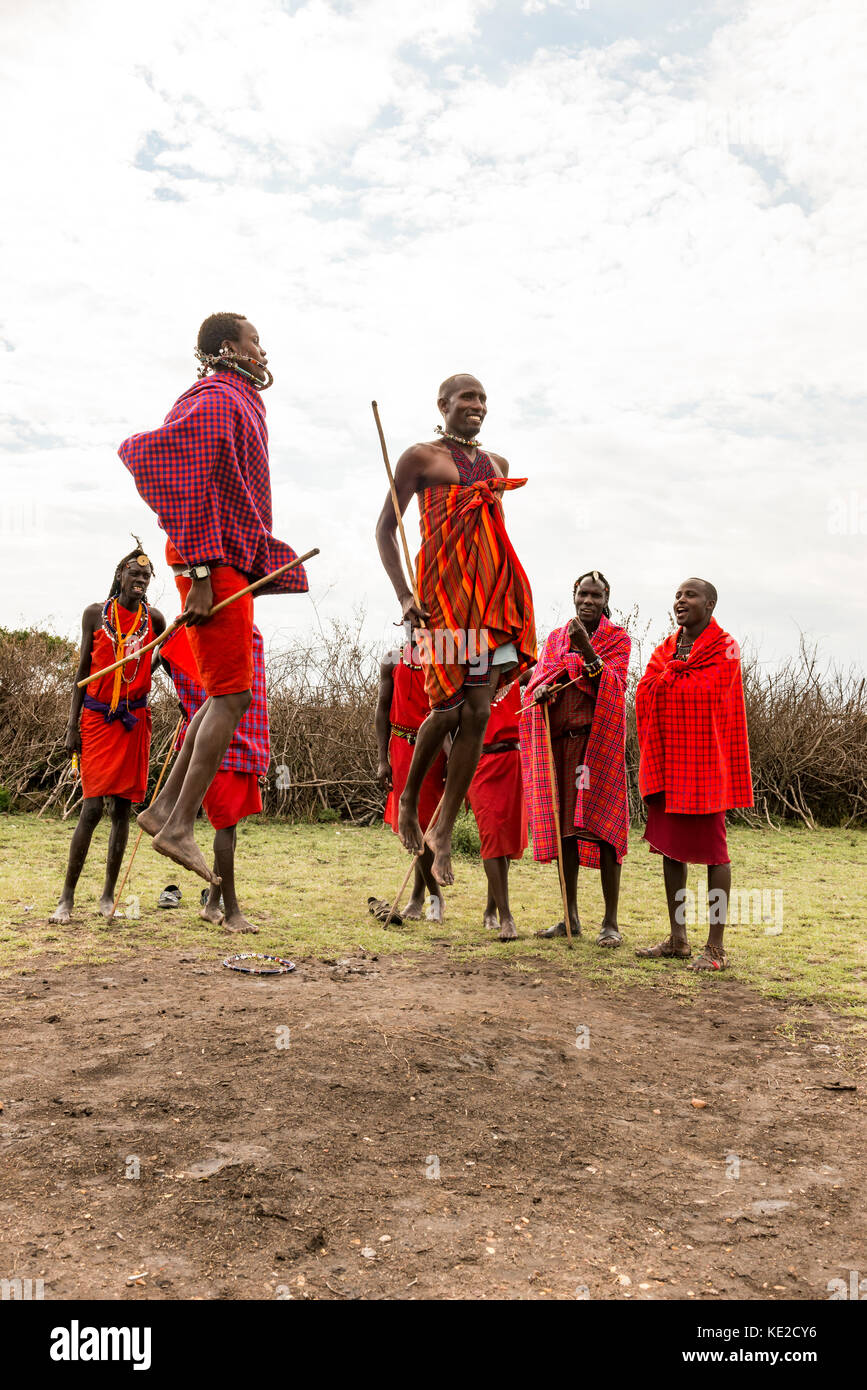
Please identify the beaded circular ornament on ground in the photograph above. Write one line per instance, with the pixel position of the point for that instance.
(270, 965)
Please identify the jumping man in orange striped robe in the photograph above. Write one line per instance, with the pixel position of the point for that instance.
(475, 625)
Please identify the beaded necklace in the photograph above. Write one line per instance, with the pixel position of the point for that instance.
(456, 439)
(120, 640)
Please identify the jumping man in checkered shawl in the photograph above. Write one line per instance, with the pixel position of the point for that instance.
(475, 600)
(695, 763)
(205, 474)
(581, 675)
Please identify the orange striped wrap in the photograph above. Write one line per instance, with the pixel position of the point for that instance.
(470, 580)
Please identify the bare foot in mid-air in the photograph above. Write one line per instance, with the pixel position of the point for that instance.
(212, 914)
(441, 844)
(490, 921)
(183, 850)
(61, 914)
(436, 908)
(150, 821)
(237, 922)
(408, 828)
(508, 930)
(413, 909)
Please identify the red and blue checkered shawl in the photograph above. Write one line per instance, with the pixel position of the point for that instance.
(470, 580)
(250, 748)
(692, 726)
(205, 474)
(602, 805)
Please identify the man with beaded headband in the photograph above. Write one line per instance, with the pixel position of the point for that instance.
(109, 726)
(205, 473)
(581, 676)
(475, 625)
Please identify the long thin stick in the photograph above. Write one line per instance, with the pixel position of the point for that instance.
(179, 622)
(555, 799)
(374, 407)
(150, 803)
(431, 823)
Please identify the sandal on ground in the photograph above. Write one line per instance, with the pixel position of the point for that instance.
(170, 896)
(558, 930)
(664, 950)
(379, 908)
(610, 937)
(711, 958)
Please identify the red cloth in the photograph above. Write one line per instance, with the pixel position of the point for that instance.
(249, 749)
(692, 726)
(205, 474)
(471, 582)
(409, 710)
(232, 796)
(505, 714)
(114, 760)
(496, 794)
(223, 646)
(601, 805)
(688, 839)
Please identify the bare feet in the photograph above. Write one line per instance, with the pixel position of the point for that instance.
(238, 923)
(508, 930)
(60, 915)
(212, 914)
(150, 821)
(408, 828)
(436, 908)
(441, 868)
(183, 850)
(490, 921)
(105, 905)
(412, 911)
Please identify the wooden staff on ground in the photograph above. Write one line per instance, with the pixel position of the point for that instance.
(555, 800)
(179, 622)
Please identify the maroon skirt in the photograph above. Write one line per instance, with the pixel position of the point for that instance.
(688, 839)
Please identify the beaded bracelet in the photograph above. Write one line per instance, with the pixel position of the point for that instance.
(596, 669)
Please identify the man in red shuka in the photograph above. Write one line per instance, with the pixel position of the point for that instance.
(401, 709)
(109, 722)
(695, 763)
(205, 474)
(496, 798)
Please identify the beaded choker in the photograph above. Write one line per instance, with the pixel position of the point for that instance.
(456, 439)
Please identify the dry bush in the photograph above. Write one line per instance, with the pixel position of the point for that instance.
(808, 730)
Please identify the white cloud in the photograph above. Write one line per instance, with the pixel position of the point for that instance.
(654, 257)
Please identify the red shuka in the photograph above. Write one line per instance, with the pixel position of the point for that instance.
(409, 710)
(114, 760)
(496, 794)
(692, 726)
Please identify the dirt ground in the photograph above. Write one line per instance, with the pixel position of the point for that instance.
(418, 1127)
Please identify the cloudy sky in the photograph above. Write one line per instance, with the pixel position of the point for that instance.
(640, 222)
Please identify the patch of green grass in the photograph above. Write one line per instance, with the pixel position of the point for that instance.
(307, 888)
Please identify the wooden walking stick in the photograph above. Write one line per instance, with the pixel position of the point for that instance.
(150, 803)
(179, 622)
(397, 514)
(556, 804)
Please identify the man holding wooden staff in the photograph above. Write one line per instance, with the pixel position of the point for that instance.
(205, 473)
(474, 601)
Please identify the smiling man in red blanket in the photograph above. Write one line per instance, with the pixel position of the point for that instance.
(205, 474)
(234, 793)
(582, 675)
(476, 603)
(695, 763)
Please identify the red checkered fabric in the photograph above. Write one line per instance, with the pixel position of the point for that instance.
(205, 474)
(250, 748)
(601, 806)
(692, 726)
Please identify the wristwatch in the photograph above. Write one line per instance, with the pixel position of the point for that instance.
(196, 572)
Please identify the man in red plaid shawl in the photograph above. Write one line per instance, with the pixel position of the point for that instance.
(581, 674)
(695, 763)
(205, 474)
(234, 793)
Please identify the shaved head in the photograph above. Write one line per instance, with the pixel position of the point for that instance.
(710, 592)
(455, 383)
